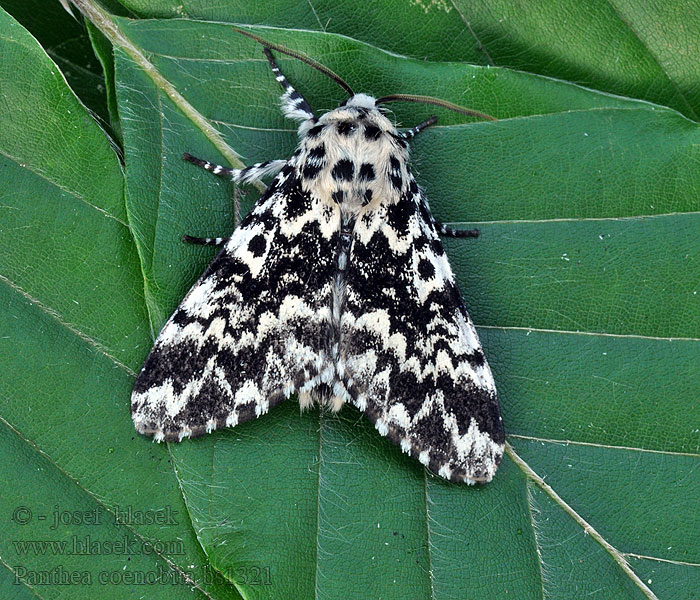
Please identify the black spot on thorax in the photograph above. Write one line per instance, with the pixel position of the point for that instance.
(315, 161)
(372, 133)
(346, 128)
(366, 172)
(314, 131)
(343, 170)
(317, 152)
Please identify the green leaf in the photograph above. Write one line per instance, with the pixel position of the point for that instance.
(583, 283)
(103, 52)
(629, 47)
(73, 333)
(65, 40)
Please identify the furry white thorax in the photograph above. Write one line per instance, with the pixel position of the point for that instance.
(359, 151)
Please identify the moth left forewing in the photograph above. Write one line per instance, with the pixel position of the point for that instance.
(250, 331)
(416, 365)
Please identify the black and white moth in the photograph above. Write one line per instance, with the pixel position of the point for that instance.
(335, 287)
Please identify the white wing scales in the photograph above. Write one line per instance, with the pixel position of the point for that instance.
(250, 332)
(416, 366)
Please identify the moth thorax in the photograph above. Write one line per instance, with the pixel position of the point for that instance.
(355, 157)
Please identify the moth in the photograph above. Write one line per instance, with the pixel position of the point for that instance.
(335, 287)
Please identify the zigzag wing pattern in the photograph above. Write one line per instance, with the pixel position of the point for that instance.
(414, 361)
(252, 330)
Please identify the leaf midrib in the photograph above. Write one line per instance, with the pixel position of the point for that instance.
(70, 192)
(22, 581)
(108, 26)
(598, 445)
(592, 333)
(618, 557)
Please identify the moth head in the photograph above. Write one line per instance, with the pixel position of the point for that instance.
(361, 101)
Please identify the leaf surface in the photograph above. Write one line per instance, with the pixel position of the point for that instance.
(625, 47)
(583, 282)
(586, 207)
(73, 333)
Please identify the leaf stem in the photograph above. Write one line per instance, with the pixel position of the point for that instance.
(106, 23)
(588, 529)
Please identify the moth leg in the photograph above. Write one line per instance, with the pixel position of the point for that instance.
(204, 241)
(441, 228)
(294, 106)
(259, 170)
(249, 174)
(410, 133)
(446, 231)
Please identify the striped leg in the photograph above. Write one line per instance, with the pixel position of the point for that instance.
(409, 133)
(247, 175)
(217, 241)
(443, 229)
(204, 241)
(455, 233)
(294, 105)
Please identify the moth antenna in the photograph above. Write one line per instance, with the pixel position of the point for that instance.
(300, 56)
(436, 102)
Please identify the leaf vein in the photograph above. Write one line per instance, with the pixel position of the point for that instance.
(664, 560)
(481, 46)
(538, 549)
(22, 581)
(72, 193)
(107, 25)
(99, 502)
(596, 333)
(574, 219)
(606, 446)
(428, 534)
(617, 556)
(55, 315)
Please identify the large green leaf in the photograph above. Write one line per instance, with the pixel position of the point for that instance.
(65, 39)
(584, 284)
(73, 333)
